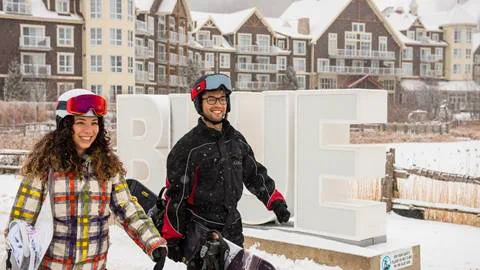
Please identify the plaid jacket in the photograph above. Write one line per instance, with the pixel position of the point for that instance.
(82, 207)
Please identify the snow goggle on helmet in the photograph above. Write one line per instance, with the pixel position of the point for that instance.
(82, 104)
(211, 82)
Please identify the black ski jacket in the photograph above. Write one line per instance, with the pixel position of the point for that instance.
(206, 170)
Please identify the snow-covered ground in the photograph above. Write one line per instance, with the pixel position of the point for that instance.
(443, 246)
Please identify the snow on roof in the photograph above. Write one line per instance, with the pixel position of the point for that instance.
(458, 15)
(288, 28)
(321, 13)
(39, 10)
(458, 86)
(413, 85)
(144, 5)
(402, 21)
(228, 23)
(167, 6)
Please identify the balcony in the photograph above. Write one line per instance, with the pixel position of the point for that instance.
(431, 73)
(257, 67)
(141, 76)
(35, 43)
(182, 61)
(36, 70)
(360, 70)
(17, 7)
(141, 28)
(254, 49)
(162, 57)
(141, 52)
(250, 85)
(207, 43)
(172, 37)
(173, 59)
(431, 58)
(360, 54)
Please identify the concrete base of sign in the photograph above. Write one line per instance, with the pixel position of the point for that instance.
(298, 246)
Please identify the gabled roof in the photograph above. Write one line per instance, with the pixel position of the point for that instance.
(162, 7)
(403, 21)
(201, 18)
(230, 23)
(458, 15)
(39, 10)
(287, 28)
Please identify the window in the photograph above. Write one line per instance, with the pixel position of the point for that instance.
(96, 36)
(407, 69)
(224, 60)
(457, 35)
(217, 40)
(116, 9)
(340, 62)
(151, 71)
(299, 47)
(210, 60)
(439, 53)
(281, 44)
(435, 36)
(171, 23)
(407, 53)
(332, 43)
(130, 90)
(116, 63)
(131, 10)
(63, 87)
(457, 53)
(469, 35)
(244, 39)
(281, 62)
(263, 77)
(358, 27)
(299, 64)
(65, 63)
(62, 6)
(130, 65)
(114, 91)
(439, 69)
(468, 53)
(457, 69)
(130, 38)
(161, 22)
(327, 83)
(151, 48)
(358, 41)
(420, 34)
(263, 59)
(34, 36)
(263, 41)
(95, 9)
(150, 25)
(115, 36)
(301, 82)
(411, 34)
(96, 63)
(375, 64)
(322, 64)
(97, 89)
(34, 63)
(425, 54)
(468, 68)
(382, 44)
(424, 69)
(203, 35)
(64, 36)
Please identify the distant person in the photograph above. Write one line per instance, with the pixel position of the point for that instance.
(206, 171)
(86, 184)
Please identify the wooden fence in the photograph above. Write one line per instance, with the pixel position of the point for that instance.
(406, 128)
(390, 192)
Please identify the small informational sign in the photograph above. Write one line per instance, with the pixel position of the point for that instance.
(397, 259)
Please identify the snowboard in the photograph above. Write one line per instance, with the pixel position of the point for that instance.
(238, 258)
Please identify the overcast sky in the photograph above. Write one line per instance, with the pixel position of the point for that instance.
(269, 8)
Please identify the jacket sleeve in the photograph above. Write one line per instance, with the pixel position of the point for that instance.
(132, 217)
(28, 201)
(178, 183)
(257, 180)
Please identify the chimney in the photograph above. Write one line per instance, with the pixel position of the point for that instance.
(304, 26)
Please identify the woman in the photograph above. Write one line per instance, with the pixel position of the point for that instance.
(86, 183)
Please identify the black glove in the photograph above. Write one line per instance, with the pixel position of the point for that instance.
(159, 256)
(175, 250)
(280, 209)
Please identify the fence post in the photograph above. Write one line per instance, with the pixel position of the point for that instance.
(388, 180)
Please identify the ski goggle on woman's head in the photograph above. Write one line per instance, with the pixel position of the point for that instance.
(82, 104)
(210, 83)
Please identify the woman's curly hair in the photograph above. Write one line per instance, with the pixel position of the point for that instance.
(57, 151)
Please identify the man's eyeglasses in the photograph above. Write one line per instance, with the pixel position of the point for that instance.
(213, 100)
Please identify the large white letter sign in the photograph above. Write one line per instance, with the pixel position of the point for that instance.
(143, 135)
(325, 161)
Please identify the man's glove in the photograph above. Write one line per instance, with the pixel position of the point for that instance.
(280, 209)
(159, 256)
(175, 250)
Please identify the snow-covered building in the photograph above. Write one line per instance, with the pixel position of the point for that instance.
(45, 37)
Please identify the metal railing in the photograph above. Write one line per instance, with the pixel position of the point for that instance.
(362, 54)
(35, 42)
(254, 49)
(141, 52)
(207, 43)
(431, 58)
(17, 7)
(257, 67)
(36, 70)
(141, 76)
(255, 85)
(361, 70)
(141, 28)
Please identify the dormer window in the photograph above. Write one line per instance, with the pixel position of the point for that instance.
(17, 6)
(62, 6)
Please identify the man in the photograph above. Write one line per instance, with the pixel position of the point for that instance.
(206, 171)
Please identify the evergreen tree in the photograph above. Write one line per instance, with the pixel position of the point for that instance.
(192, 72)
(14, 88)
(289, 81)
